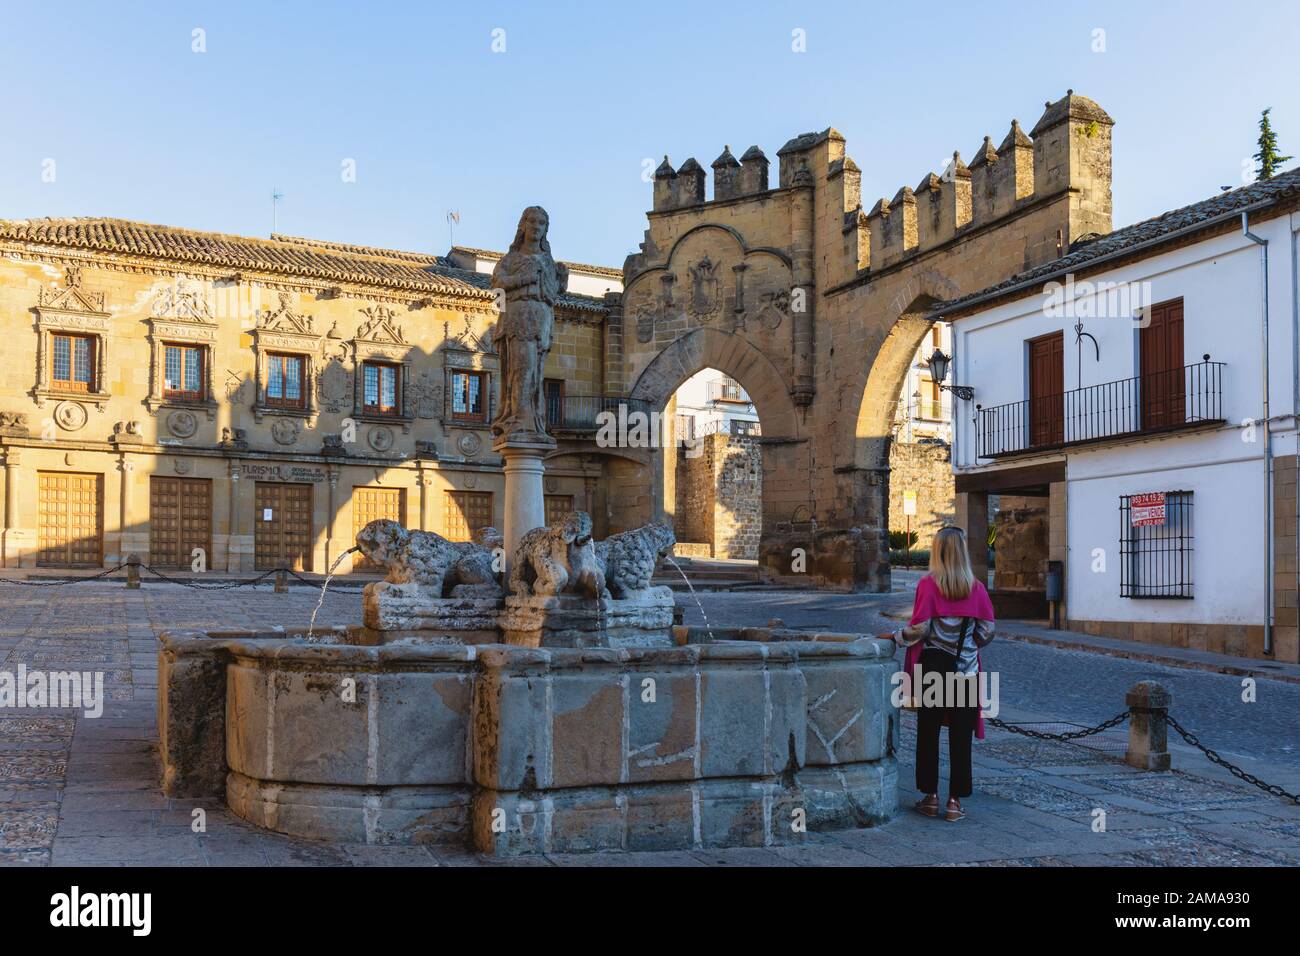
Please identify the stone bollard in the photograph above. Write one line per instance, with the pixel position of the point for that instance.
(1148, 728)
(282, 581)
(133, 571)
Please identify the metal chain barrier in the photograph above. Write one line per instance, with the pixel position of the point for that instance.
(224, 586)
(59, 582)
(1069, 735)
(1236, 771)
(341, 589)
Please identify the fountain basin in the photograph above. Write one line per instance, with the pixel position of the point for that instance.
(642, 620)
(751, 739)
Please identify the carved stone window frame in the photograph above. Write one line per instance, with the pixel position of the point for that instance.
(303, 344)
(164, 331)
(58, 321)
(466, 360)
(389, 353)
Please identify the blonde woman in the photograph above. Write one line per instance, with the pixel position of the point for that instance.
(952, 619)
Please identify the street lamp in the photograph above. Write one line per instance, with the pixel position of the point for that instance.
(939, 363)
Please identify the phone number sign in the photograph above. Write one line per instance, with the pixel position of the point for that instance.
(1147, 509)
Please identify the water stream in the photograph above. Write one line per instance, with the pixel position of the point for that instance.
(691, 587)
(325, 587)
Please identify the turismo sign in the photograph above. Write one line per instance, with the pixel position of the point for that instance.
(1147, 509)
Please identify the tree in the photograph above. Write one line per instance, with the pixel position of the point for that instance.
(1267, 158)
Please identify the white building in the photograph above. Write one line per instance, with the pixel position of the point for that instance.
(583, 279)
(710, 401)
(1125, 384)
(924, 410)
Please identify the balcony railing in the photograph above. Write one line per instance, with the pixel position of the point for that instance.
(722, 390)
(1156, 402)
(578, 413)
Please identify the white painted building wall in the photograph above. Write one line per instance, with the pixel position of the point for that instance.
(1219, 282)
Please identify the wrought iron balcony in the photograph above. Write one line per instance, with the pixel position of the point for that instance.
(579, 413)
(1145, 404)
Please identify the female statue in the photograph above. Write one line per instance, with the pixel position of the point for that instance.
(531, 281)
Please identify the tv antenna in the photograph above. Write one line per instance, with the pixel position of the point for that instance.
(276, 196)
(453, 217)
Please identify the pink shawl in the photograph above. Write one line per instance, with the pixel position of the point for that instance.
(930, 602)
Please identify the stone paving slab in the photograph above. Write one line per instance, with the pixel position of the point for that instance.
(79, 791)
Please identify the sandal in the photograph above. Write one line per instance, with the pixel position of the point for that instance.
(954, 812)
(928, 806)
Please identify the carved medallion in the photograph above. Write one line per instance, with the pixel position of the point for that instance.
(706, 290)
(645, 325)
(775, 307)
(551, 485)
(380, 437)
(284, 431)
(471, 481)
(334, 387)
(182, 423)
(469, 444)
(182, 466)
(70, 416)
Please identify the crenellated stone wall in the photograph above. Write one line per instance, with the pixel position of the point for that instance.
(816, 305)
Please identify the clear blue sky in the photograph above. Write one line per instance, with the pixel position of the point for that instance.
(143, 128)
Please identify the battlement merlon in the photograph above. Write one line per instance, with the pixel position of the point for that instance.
(1068, 152)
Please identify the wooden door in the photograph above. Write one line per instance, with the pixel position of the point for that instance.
(372, 504)
(1047, 389)
(467, 511)
(70, 520)
(557, 506)
(283, 536)
(1160, 358)
(180, 520)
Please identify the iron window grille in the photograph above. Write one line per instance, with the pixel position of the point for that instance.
(1156, 559)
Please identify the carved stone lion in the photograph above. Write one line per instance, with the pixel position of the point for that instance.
(444, 568)
(558, 560)
(475, 573)
(629, 559)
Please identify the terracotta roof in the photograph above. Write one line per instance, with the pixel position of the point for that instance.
(1281, 186)
(283, 255)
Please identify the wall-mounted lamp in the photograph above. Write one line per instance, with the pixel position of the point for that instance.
(938, 363)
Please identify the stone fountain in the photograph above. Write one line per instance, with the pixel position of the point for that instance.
(561, 712)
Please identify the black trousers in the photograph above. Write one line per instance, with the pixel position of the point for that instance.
(961, 729)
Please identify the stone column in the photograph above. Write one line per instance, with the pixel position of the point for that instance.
(423, 479)
(10, 556)
(233, 548)
(125, 538)
(525, 505)
(332, 476)
(972, 516)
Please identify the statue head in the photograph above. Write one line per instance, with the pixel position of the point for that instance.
(662, 536)
(530, 236)
(576, 528)
(381, 540)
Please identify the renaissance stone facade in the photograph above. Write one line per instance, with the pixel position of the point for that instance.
(179, 394)
(230, 403)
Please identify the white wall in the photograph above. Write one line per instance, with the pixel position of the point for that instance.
(1219, 282)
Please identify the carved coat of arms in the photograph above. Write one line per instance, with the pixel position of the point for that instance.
(706, 290)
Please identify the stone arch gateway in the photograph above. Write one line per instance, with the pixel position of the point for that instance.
(815, 303)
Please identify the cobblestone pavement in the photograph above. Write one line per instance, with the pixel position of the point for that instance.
(75, 790)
